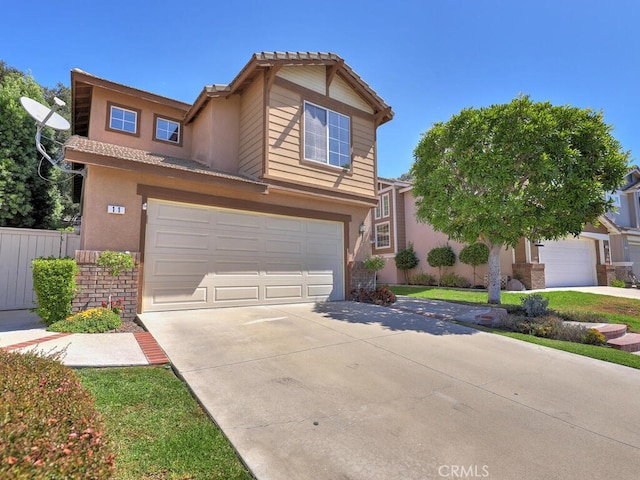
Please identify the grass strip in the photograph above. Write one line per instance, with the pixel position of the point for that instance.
(156, 427)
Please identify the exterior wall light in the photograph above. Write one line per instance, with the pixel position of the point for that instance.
(362, 229)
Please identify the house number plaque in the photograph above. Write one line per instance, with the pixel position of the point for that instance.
(117, 209)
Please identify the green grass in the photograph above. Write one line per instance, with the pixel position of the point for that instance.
(157, 429)
(600, 353)
(615, 309)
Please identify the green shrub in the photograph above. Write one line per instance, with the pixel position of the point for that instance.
(373, 264)
(406, 259)
(441, 257)
(453, 280)
(114, 263)
(54, 284)
(422, 279)
(94, 320)
(50, 428)
(474, 255)
(535, 305)
(616, 282)
(594, 337)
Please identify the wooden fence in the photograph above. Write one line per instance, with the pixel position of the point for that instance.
(18, 247)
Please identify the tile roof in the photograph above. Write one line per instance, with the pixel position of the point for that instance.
(85, 145)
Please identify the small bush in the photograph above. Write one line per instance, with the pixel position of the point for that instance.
(616, 282)
(406, 259)
(379, 296)
(94, 320)
(535, 305)
(54, 284)
(453, 280)
(422, 279)
(474, 255)
(50, 428)
(594, 337)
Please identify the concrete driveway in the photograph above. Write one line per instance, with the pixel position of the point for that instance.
(351, 391)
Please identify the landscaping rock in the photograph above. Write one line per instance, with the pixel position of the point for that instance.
(515, 285)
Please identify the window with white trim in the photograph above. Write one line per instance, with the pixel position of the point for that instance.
(167, 130)
(383, 235)
(123, 119)
(382, 208)
(327, 136)
(615, 197)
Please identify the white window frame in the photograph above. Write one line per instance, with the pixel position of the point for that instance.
(327, 160)
(378, 225)
(616, 199)
(170, 121)
(127, 110)
(386, 211)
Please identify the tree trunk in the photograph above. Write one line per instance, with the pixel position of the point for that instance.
(494, 273)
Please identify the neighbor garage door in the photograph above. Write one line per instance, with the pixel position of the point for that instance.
(203, 257)
(569, 262)
(634, 255)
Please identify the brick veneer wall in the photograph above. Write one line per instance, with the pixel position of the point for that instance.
(530, 274)
(93, 285)
(605, 273)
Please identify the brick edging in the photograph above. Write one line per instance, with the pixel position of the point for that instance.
(152, 351)
(30, 343)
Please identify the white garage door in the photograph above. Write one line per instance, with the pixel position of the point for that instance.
(634, 255)
(569, 262)
(204, 257)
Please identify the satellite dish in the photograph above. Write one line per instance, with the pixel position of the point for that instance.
(45, 116)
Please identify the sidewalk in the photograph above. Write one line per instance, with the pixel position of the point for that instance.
(22, 330)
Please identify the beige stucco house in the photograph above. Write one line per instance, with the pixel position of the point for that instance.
(258, 192)
(588, 259)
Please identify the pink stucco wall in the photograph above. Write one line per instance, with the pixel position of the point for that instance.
(425, 238)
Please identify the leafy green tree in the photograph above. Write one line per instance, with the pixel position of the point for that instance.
(28, 196)
(441, 257)
(406, 259)
(474, 255)
(521, 169)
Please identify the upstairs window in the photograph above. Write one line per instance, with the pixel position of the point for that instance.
(167, 130)
(123, 119)
(327, 136)
(382, 209)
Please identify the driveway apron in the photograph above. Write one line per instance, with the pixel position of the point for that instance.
(351, 391)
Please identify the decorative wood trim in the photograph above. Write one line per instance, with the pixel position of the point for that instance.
(331, 73)
(323, 100)
(163, 193)
(155, 138)
(137, 111)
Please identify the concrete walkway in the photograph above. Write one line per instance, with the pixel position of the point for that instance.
(22, 330)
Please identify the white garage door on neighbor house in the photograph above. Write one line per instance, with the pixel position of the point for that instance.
(569, 262)
(203, 257)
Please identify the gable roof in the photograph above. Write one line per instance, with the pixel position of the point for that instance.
(265, 61)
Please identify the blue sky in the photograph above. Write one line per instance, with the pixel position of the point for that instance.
(428, 59)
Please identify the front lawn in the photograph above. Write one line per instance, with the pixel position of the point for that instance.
(615, 309)
(156, 428)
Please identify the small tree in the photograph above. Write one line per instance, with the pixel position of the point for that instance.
(374, 264)
(474, 255)
(114, 263)
(406, 259)
(441, 257)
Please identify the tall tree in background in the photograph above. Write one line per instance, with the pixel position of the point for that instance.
(31, 191)
(522, 169)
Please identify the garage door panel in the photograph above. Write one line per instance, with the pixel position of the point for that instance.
(569, 262)
(179, 296)
(246, 293)
(228, 258)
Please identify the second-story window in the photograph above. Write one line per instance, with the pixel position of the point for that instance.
(327, 136)
(167, 130)
(382, 209)
(123, 119)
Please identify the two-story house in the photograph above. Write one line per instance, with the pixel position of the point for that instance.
(625, 226)
(257, 193)
(592, 258)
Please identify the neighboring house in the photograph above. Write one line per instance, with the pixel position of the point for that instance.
(624, 225)
(585, 260)
(257, 193)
